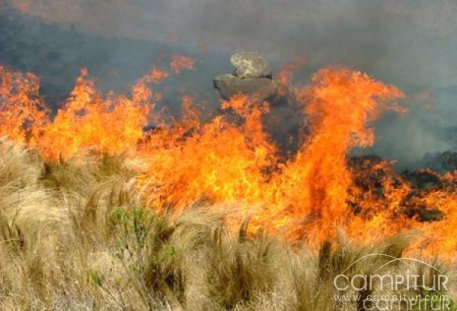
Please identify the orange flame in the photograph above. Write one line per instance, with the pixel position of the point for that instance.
(231, 158)
(22, 112)
(112, 125)
(157, 76)
(180, 63)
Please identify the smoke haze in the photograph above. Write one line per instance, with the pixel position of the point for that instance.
(410, 44)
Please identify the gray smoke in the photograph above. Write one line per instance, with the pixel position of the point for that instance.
(409, 43)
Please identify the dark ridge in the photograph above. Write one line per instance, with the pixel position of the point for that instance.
(56, 54)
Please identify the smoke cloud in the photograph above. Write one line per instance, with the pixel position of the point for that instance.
(409, 43)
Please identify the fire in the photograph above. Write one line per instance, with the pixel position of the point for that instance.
(180, 63)
(112, 125)
(223, 161)
(157, 76)
(22, 111)
(340, 105)
(231, 159)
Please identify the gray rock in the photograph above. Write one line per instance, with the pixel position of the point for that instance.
(250, 65)
(229, 85)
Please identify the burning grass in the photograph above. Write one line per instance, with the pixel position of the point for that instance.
(75, 237)
(97, 212)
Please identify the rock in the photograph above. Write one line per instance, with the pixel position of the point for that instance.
(250, 65)
(252, 77)
(229, 85)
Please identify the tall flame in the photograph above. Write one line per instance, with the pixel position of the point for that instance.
(232, 159)
(22, 112)
(340, 106)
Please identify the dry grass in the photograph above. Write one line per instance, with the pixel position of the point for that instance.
(74, 237)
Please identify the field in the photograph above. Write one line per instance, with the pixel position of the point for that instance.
(74, 236)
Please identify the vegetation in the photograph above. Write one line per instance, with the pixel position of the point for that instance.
(73, 236)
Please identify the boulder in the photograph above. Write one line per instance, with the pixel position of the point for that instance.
(252, 77)
(250, 65)
(229, 85)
